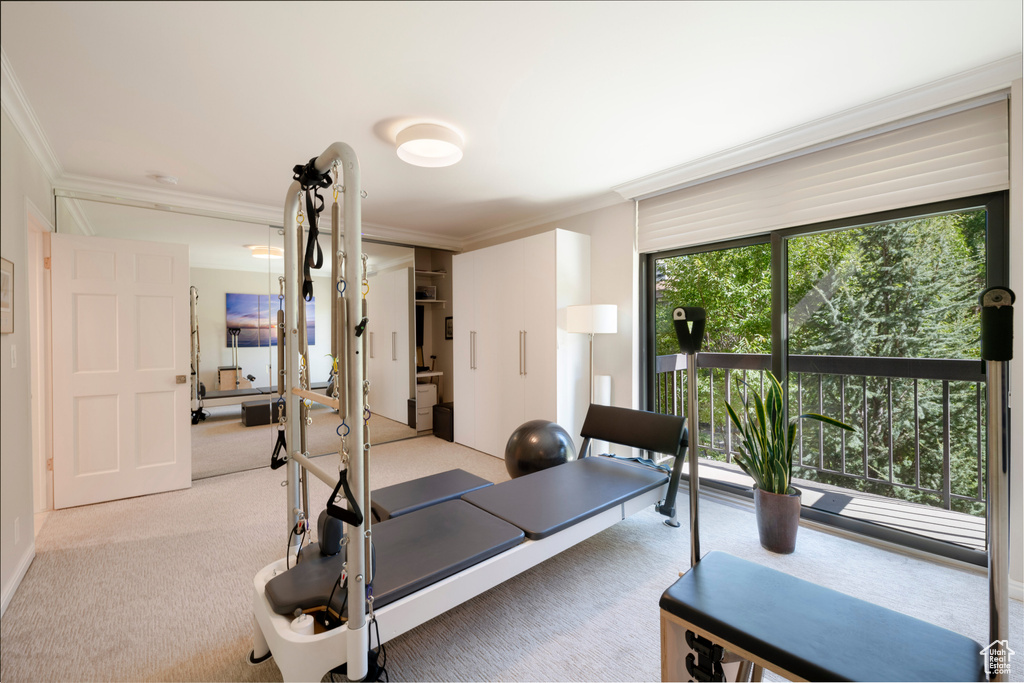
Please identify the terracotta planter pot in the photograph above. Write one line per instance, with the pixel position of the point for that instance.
(778, 519)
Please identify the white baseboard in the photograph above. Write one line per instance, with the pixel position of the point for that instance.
(1017, 590)
(12, 585)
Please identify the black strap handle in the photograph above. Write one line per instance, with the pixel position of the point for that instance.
(351, 515)
(276, 458)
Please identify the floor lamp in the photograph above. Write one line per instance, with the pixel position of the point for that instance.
(592, 319)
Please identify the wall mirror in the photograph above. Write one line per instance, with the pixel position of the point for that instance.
(237, 286)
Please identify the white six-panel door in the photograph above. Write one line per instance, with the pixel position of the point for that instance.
(120, 367)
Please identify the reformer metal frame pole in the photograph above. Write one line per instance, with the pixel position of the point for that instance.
(193, 309)
(996, 351)
(692, 433)
(689, 327)
(357, 642)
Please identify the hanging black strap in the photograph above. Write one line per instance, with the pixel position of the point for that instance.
(351, 515)
(311, 181)
(314, 258)
(280, 455)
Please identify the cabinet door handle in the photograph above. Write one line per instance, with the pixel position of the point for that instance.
(524, 352)
(472, 350)
(520, 352)
(394, 346)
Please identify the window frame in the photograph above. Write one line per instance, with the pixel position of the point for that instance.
(997, 272)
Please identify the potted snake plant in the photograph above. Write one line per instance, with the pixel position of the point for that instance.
(766, 454)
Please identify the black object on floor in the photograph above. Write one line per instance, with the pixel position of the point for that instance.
(255, 413)
(444, 414)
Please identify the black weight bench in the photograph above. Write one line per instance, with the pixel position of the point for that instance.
(803, 631)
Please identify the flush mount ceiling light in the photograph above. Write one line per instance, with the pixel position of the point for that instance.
(429, 145)
(263, 251)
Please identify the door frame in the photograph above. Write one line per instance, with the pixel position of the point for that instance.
(38, 229)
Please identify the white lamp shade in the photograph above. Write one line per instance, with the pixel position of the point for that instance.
(592, 319)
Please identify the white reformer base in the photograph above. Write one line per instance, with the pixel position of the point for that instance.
(309, 658)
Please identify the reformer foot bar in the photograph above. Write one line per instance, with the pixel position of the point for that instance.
(727, 618)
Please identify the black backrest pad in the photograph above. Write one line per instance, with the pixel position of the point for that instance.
(813, 632)
(636, 428)
(545, 502)
(412, 552)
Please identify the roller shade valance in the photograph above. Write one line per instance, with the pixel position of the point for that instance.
(958, 155)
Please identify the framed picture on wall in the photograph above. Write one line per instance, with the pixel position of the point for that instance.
(253, 315)
(448, 328)
(6, 297)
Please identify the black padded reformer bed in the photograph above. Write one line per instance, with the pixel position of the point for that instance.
(450, 536)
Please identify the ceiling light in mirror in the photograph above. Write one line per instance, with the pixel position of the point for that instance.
(263, 251)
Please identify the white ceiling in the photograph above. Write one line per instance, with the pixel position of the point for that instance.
(559, 102)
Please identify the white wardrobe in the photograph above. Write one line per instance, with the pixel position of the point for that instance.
(389, 353)
(513, 359)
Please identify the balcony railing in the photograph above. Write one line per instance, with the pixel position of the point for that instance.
(919, 423)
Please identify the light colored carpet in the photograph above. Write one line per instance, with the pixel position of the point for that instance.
(221, 444)
(158, 588)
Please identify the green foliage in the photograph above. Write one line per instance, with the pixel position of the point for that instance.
(766, 446)
(732, 285)
(904, 289)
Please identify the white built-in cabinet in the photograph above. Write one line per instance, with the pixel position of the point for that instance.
(389, 354)
(513, 359)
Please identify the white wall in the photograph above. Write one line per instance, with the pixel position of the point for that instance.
(213, 285)
(22, 177)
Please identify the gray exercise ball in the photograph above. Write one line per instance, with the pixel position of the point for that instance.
(537, 445)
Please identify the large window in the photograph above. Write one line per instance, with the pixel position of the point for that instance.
(872, 320)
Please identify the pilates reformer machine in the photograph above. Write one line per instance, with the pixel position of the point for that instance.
(729, 619)
(387, 562)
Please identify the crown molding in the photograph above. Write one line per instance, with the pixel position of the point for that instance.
(392, 264)
(831, 130)
(18, 109)
(410, 238)
(115, 192)
(602, 201)
(130, 194)
(74, 208)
